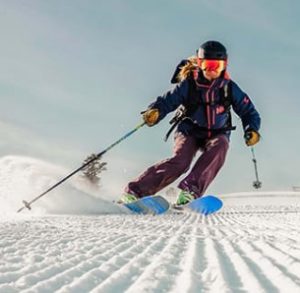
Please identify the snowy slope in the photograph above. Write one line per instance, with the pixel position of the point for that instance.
(252, 245)
(23, 178)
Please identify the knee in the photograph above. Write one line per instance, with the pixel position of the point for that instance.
(180, 164)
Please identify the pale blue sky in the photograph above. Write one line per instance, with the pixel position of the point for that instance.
(74, 76)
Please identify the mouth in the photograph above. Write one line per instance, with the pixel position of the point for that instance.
(211, 71)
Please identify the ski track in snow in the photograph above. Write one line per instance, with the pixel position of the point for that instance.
(235, 250)
(74, 240)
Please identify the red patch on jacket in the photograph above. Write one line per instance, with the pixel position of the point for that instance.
(220, 109)
(246, 100)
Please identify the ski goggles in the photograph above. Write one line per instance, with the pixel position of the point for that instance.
(212, 65)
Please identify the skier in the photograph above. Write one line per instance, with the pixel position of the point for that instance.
(205, 93)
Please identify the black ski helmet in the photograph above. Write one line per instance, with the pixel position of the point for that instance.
(212, 50)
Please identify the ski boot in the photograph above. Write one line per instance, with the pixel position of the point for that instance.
(127, 198)
(184, 198)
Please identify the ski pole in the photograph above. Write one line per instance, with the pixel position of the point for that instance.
(256, 184)
(28, 204)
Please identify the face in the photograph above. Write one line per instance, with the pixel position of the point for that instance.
(212, 69)
(211, 74)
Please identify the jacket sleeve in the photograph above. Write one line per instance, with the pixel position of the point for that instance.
(171, 100)
(245, 109)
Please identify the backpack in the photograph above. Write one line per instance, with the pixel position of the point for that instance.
(184, 112)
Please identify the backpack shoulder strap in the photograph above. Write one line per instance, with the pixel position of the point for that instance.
(226, 95)
(226, 100)
(194, 97)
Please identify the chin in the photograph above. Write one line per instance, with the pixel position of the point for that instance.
(211, 76)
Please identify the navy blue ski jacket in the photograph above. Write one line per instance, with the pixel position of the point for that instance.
(210, 114)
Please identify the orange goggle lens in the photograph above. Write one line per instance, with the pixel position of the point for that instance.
(212, 65)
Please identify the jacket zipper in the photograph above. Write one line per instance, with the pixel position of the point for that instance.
(209, 112)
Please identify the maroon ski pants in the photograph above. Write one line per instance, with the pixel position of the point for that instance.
(205, 169)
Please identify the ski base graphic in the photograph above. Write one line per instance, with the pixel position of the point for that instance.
(152, 204)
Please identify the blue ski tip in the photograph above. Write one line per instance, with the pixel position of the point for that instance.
(154, 205)
(206, 205)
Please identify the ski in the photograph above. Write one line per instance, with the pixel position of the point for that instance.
(152, 204)
(205, 205)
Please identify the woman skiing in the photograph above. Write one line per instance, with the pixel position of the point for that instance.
(205, 94)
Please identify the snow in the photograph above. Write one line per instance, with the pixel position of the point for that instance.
(76, 240)
(23, 178)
